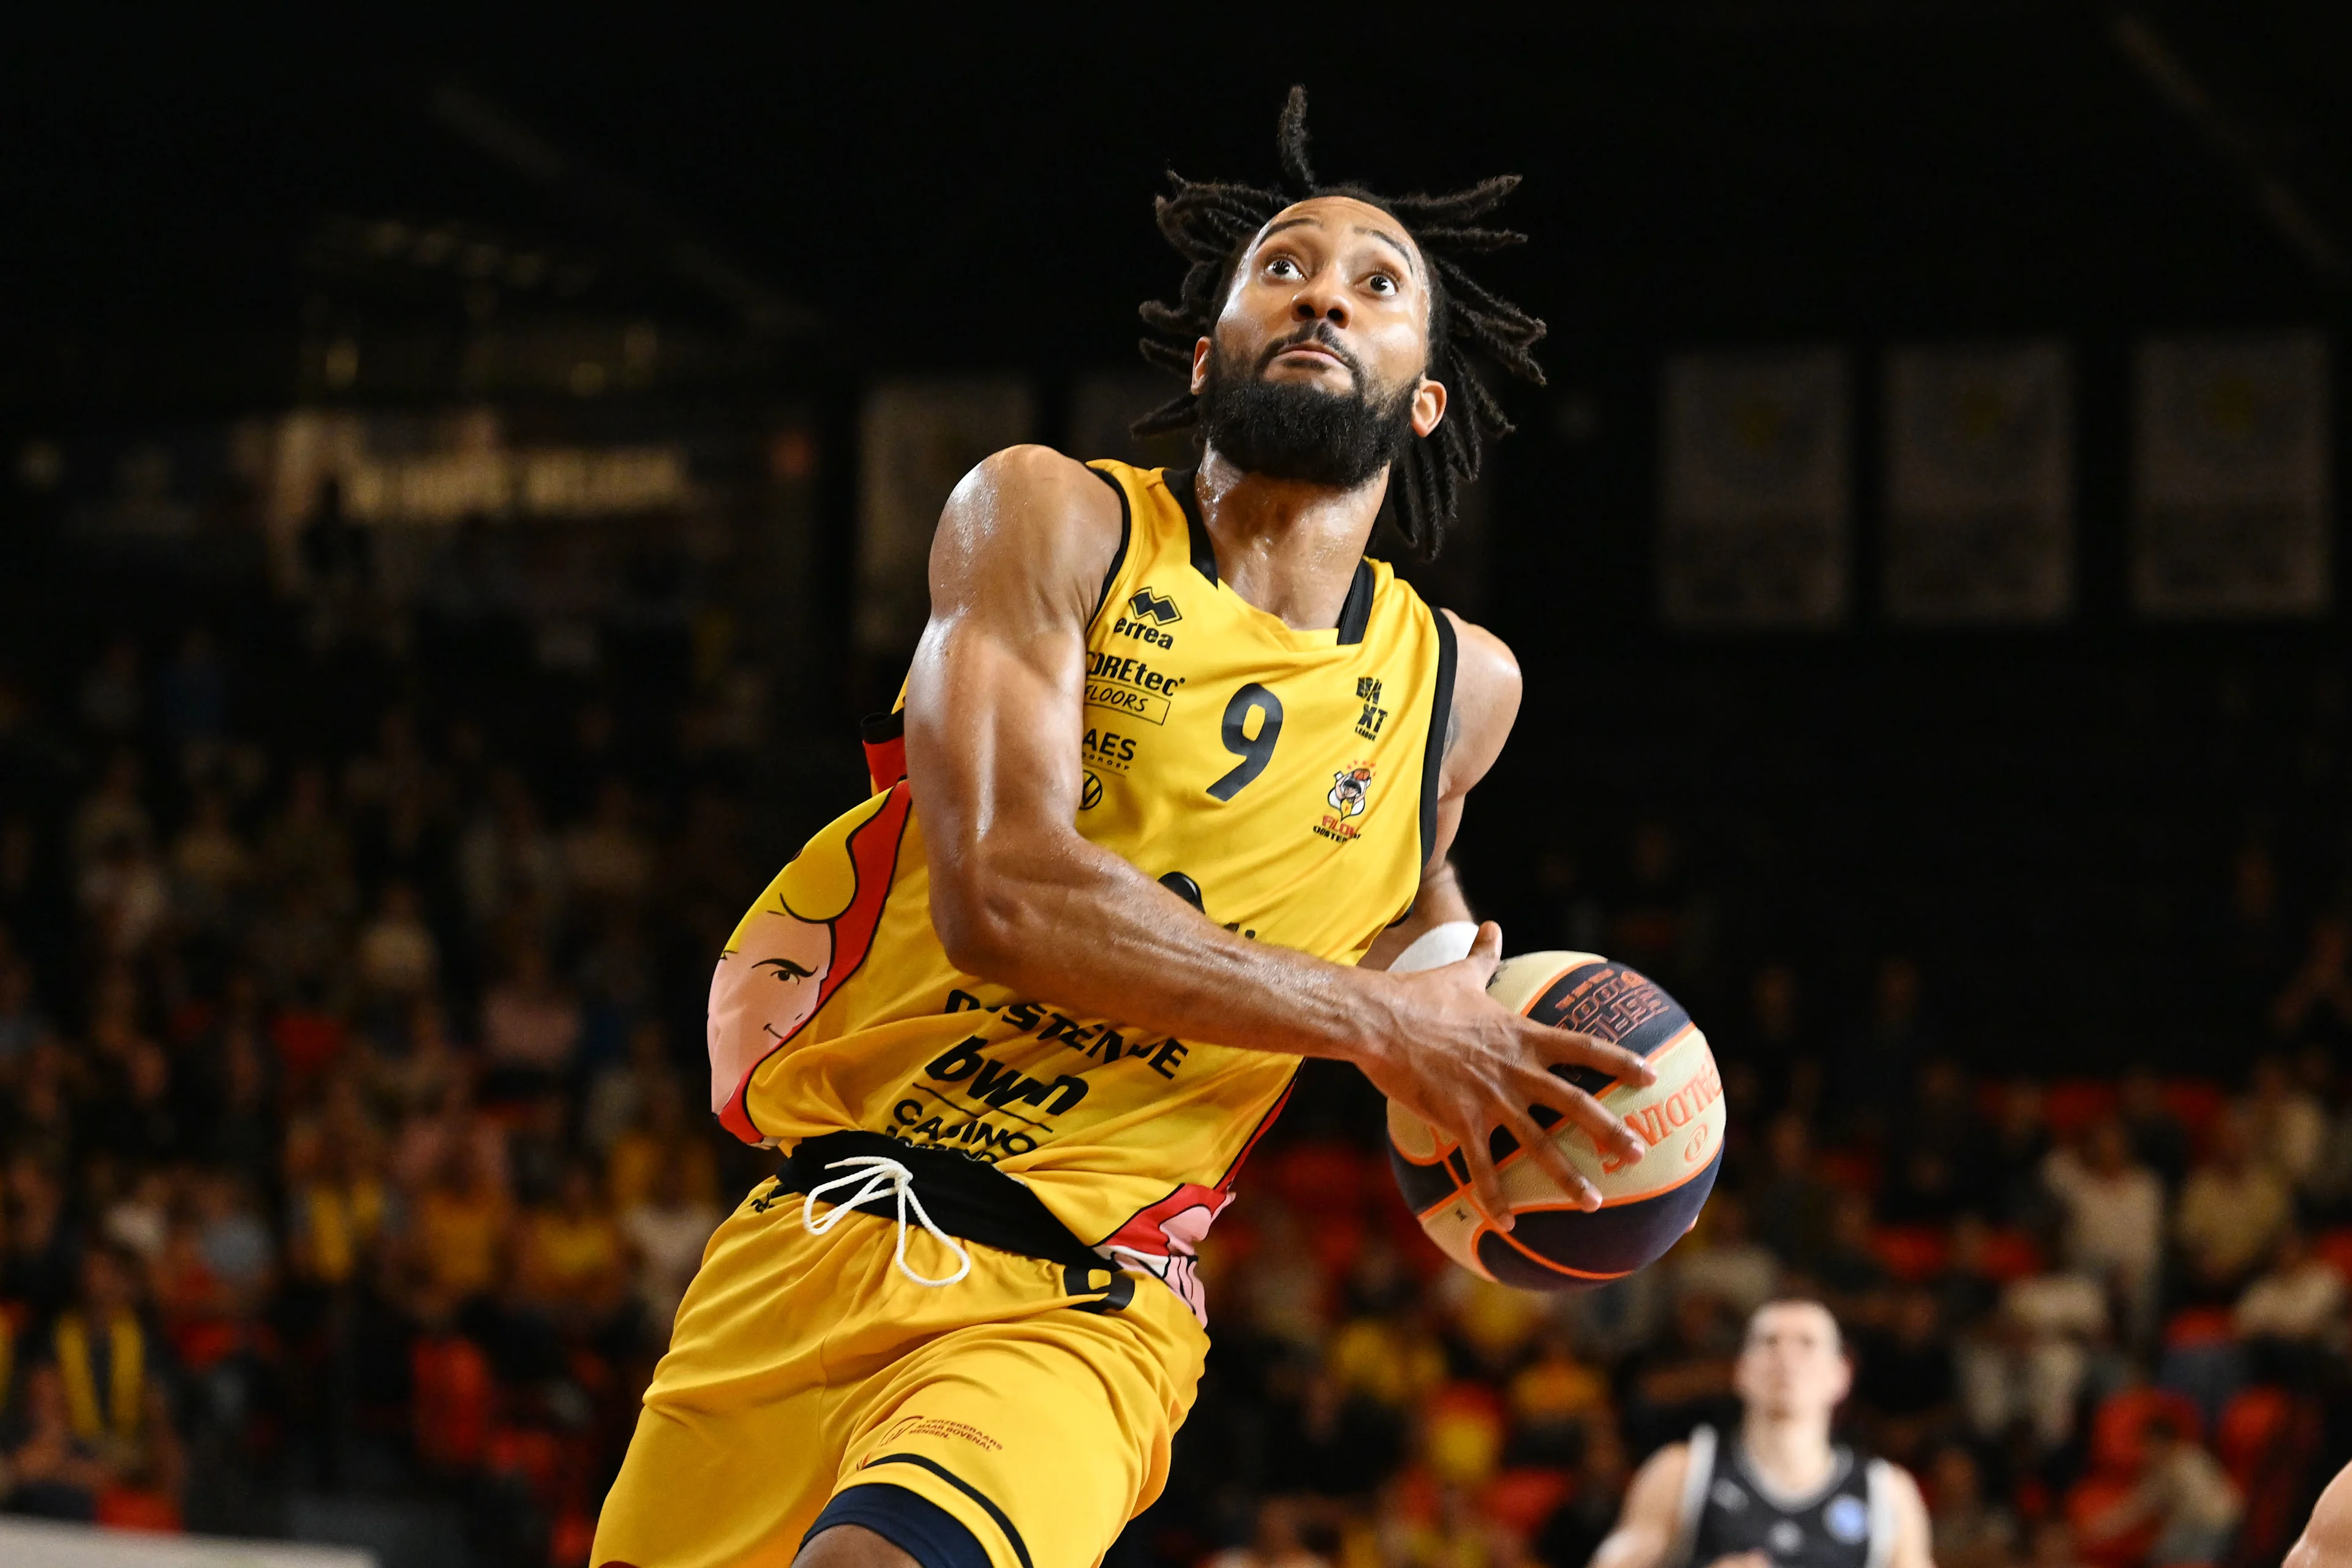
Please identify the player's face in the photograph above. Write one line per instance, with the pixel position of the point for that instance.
(1315, 366)
(1792, 1364)
(763, 990)
(1335, 263)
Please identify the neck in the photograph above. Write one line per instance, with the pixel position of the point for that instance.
(1288, 547)
(1792, 1452)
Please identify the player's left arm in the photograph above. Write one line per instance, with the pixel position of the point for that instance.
(1486, 688)
(1914, 1537)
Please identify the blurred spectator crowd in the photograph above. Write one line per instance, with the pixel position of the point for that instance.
(351, 963)
(2103, 1321)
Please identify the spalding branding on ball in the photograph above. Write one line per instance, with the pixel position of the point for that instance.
(1646, 1207)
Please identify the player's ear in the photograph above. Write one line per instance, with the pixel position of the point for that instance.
(1200, 366)
(1428, 407)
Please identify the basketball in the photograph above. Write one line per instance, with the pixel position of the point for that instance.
(1646, 1207)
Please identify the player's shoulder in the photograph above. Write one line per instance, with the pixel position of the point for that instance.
(1481, 657)
(1485, 702)
(1028, 510)
(1031, 473)
(1661, 1476)
(1902, 1484)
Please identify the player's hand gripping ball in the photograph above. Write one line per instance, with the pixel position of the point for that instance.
(1646, 1207)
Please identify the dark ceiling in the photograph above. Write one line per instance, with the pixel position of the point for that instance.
(982, 195)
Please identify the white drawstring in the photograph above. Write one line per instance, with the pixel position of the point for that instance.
(881, 1174)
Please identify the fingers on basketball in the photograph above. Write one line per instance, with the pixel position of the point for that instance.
(1486, 1182)
(1608, 1132)
(1554, 1160)
(1571, 1046)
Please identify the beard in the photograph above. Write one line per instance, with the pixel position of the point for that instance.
(1293, 430)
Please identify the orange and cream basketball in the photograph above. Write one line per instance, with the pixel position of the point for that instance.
(1647, 1205)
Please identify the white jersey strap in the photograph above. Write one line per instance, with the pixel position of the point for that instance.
(1879, 1479)
(1699, 1475)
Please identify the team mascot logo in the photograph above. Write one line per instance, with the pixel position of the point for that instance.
(809, 933)
(1349, 788)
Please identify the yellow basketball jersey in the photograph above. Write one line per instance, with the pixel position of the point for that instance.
(1284, 782)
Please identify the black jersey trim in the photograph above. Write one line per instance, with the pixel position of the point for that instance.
(1020, 1548)
(1440, 719)
(1125, 536)
(908, 1520)
(1183, 484)
(1357, 613)
(1841, 1471)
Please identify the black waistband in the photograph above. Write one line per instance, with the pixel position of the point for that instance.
(964, 1198)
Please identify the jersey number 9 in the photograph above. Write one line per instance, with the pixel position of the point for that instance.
(1255, 750)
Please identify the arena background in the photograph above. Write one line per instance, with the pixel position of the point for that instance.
(468, 471)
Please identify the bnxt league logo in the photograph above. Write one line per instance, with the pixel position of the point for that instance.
(1149, 605)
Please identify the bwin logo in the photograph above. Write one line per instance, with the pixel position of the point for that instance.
(1146, 604)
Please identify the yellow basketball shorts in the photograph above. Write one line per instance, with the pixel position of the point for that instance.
(1003, 1421)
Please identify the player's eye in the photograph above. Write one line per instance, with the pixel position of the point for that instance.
(1381, 283)
(1282, 266)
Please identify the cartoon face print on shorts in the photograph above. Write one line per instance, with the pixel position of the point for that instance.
(763, 990)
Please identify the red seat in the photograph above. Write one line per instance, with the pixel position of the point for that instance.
(2250, 1423)
(307, 1043)
(454, 1393)
(1335, 1240)
(124, 1507)
(1521, 1498)
(2010, 1254)
(2198, 1103)
(2089, 1500)
(2198, 1326)
(2071, 1104)
(2335, 1249)
(569, 1544)
(2119, 1429)
(1318, 1179)
(1911, 1252)
(527, 1452)
(1854, 1170)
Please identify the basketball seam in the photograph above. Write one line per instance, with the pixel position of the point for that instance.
(1519, 1153)
(1538, 1258)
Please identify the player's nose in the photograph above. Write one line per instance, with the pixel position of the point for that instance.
(1320, 298)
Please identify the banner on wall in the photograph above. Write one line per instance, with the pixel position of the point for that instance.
(2230, 479)
(1979, 484)
(1754, 520)
(917, 438)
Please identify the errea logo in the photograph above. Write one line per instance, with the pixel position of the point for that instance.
(1147, 611)
(1146, 604)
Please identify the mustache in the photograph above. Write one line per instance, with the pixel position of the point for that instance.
(1323, 335)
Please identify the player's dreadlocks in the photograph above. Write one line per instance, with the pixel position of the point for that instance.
(1212, 224)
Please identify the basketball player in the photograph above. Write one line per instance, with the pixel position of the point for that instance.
(1776, 1492)
(2326, 1540)
(1172, 782)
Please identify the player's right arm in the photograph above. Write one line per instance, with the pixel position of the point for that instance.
(995, 710)
(1647, 1521)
